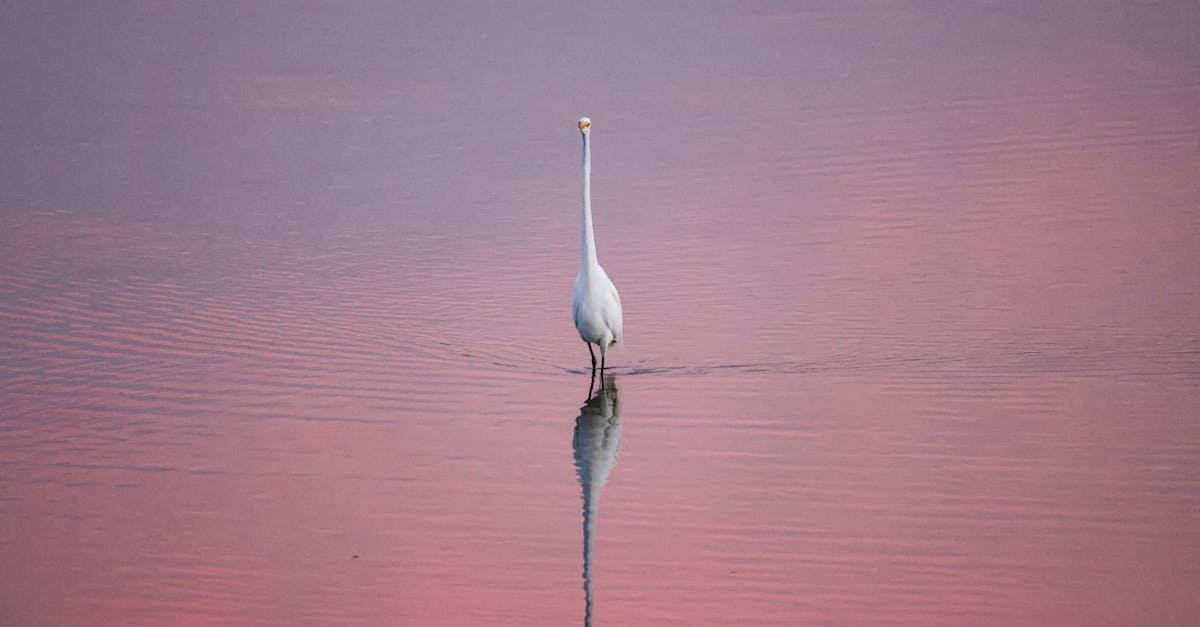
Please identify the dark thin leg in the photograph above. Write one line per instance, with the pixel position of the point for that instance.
(593, 354)
(592, 384)
(601, 363)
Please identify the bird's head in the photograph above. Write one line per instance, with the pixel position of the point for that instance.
(585, 124)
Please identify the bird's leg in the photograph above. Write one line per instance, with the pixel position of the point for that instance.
(602, 355)
(592, 384)
(593, 354)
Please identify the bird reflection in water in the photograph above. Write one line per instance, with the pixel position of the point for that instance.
(596, 441)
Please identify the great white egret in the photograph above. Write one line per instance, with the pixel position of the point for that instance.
(596, 305)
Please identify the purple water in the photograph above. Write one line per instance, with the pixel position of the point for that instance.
(912, 314)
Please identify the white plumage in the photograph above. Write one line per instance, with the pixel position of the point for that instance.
(596, 305)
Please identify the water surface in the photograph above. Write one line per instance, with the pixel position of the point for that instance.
(911, 309)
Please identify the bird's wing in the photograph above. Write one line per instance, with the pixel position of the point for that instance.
(577, 301)
(612, 313)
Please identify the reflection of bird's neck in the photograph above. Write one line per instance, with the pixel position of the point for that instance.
(588, 240)
(591, 502)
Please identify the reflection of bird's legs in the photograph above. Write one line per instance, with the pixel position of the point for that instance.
(602, 355)
(592, 384)
(593, 354)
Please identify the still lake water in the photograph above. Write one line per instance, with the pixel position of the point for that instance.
(912, 310)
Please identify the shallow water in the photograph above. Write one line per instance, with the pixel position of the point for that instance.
(911, 315)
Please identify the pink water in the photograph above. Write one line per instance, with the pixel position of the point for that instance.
(912, 314)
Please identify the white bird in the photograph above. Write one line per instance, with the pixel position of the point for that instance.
(596, 305)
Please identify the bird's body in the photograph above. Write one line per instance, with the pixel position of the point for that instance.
(597, 308)
(596, 305)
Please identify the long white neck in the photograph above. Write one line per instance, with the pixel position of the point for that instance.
(588, 241)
